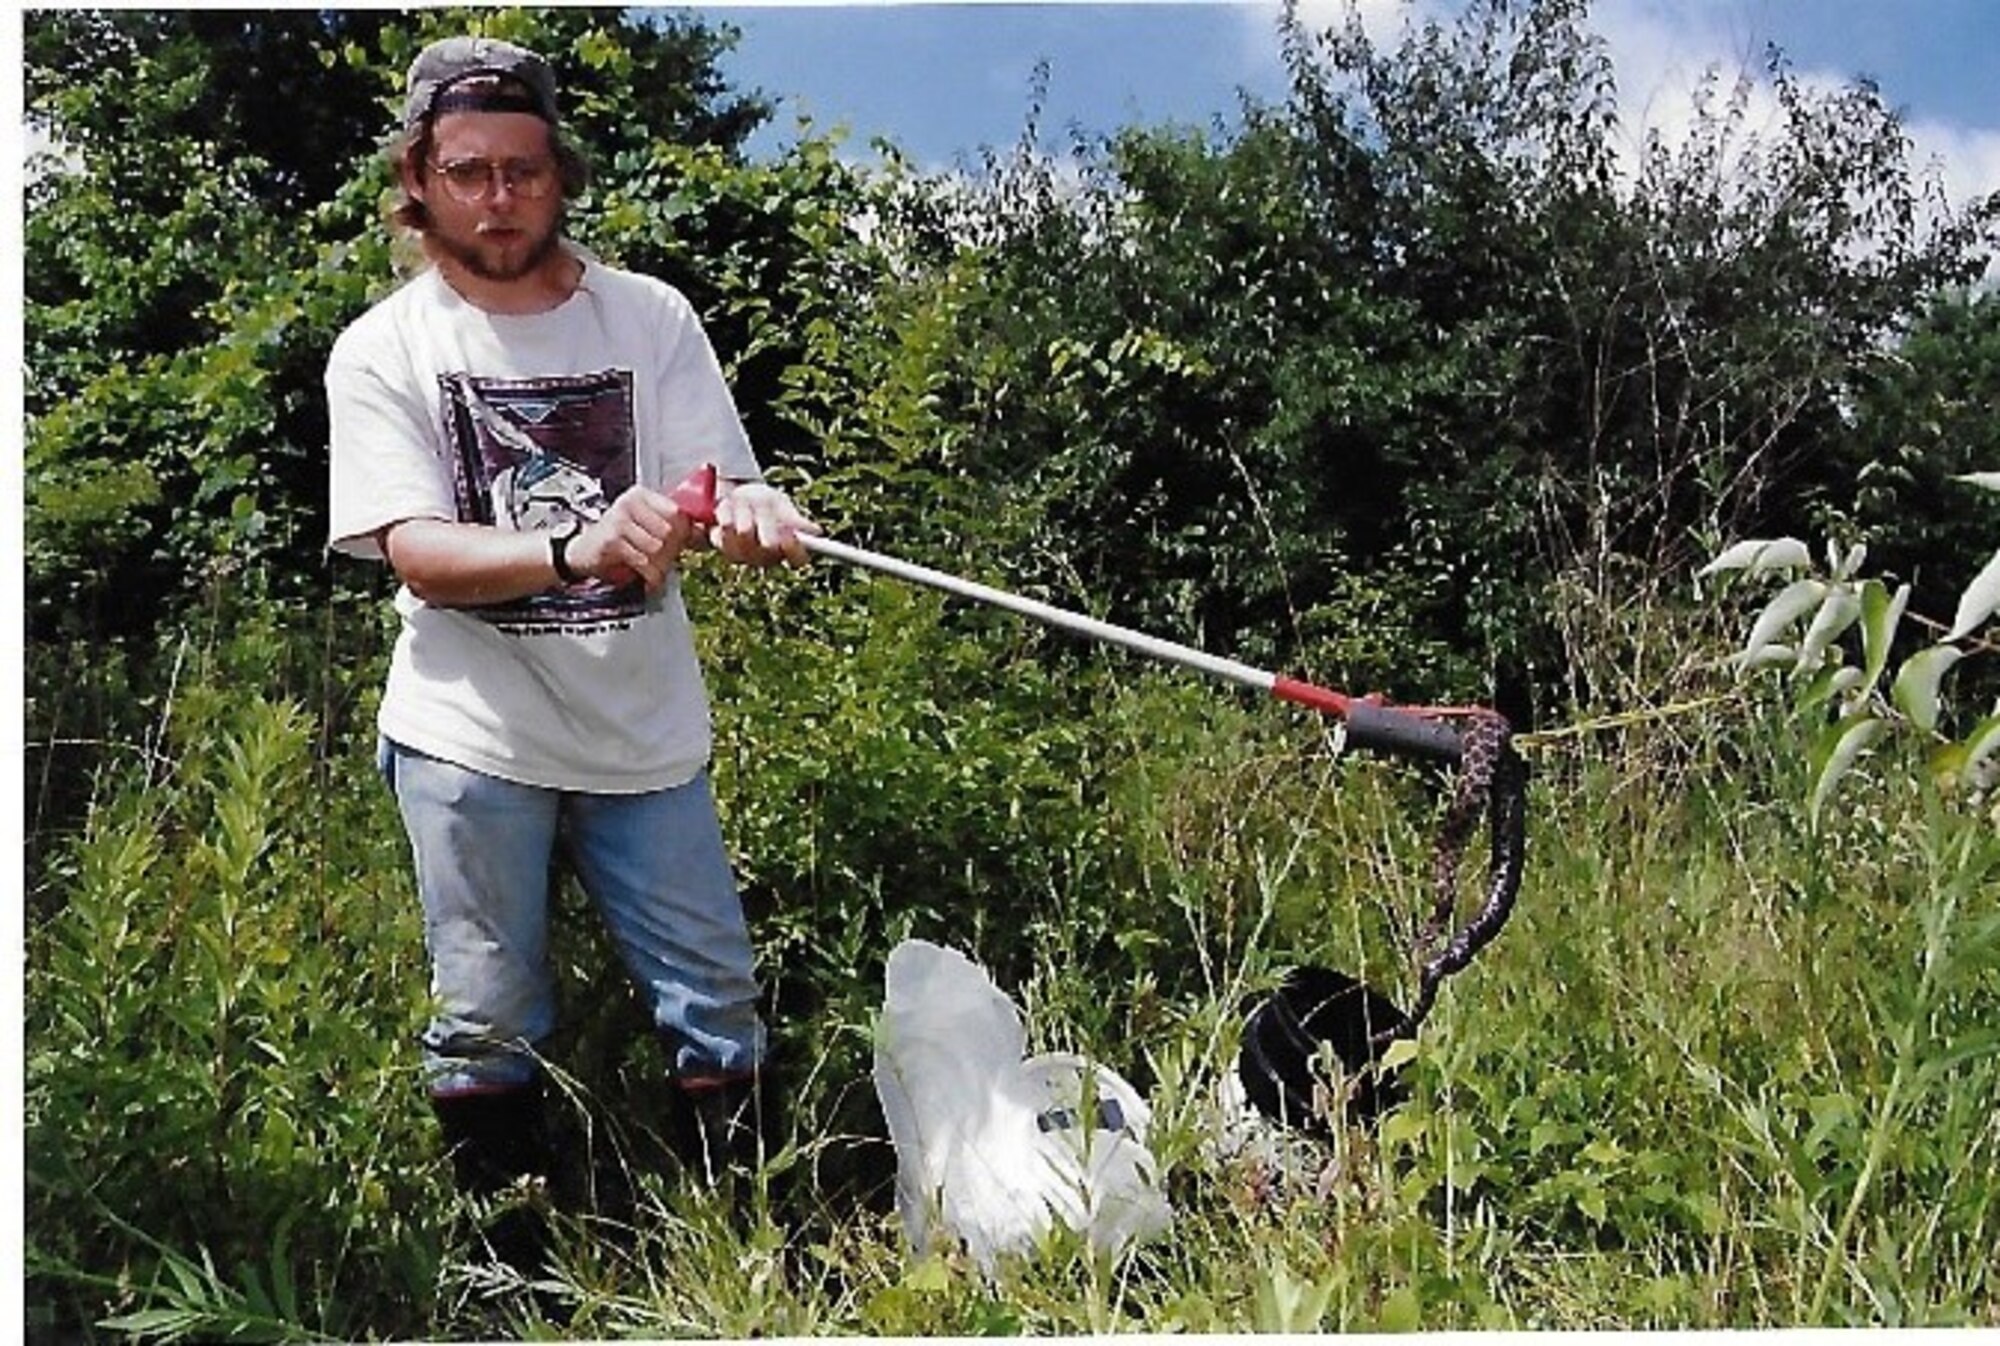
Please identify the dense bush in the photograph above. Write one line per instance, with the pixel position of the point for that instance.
(228, 974)
(1406, 353)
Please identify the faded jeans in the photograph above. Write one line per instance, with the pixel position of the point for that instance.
(654, 866)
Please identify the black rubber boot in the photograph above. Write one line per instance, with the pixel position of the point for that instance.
(498, 1143)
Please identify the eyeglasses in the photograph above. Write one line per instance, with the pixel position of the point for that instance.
(471, 180)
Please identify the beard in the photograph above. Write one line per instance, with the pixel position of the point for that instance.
(494, 262)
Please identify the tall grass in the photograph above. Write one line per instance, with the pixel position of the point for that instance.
(1721, 1070)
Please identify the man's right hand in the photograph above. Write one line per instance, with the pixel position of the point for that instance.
(640, 537)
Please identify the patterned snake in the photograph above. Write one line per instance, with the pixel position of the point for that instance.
(1492, 781)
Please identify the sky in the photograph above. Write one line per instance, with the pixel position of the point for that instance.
(944, 80)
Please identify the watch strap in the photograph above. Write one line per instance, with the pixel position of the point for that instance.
(559, 552)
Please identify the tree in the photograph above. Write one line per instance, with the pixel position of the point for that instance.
(1411, 354)
(1922, 420)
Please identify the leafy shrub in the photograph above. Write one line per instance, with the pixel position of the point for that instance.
(1837, 639)
(221, 995)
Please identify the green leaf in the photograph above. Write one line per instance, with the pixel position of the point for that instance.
(1794, 601)
(1402, 1311)
(1915, 691)
(1546, 1133)
(1290, 1304)
(1973, 1046)
(1758, 556)
(1830, 682)
(1989, 480)
(1983, 742)
(1400, 1051)
(1835, 751)
(1401, 1128)
(1955, 762)
(166, 1323)
(1604, 1152)
(1839, 610)
(1771, 656)
(931, 1276)
(1881, 613)
(1978, 601)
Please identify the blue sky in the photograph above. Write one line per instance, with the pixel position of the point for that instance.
(944, 80)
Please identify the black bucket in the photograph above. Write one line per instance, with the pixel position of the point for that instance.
(1315, 1007)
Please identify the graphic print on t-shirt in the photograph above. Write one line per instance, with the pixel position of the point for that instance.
(539, 455)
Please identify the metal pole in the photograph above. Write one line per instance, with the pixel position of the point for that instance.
(1074, 622)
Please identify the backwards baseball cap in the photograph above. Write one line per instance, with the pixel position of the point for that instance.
(442, 67)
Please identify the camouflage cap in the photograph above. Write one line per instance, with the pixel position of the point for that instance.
(445, 64)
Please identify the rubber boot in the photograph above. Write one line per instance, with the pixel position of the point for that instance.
(498, 1142)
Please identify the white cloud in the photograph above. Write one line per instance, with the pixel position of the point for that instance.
(1382, 20)
(1968, 158)
(1661, 62)
(1662, 50)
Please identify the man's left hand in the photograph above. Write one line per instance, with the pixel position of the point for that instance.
(757, 525)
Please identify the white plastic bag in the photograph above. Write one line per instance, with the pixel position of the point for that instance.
(992, 1149)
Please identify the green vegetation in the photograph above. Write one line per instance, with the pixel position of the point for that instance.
(1721, 1070)
(1397, 385)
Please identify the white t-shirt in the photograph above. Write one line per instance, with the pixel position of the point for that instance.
(441, 410)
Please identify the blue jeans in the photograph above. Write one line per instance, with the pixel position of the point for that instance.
(654, 866)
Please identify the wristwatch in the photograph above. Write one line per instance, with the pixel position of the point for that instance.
(559, 552)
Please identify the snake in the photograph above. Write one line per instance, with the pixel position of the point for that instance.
(1491, 784)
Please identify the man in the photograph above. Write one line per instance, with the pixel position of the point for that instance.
(506, 428)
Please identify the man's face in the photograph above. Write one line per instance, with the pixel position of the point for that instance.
(506, 233)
